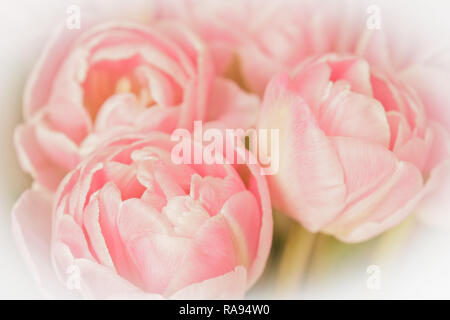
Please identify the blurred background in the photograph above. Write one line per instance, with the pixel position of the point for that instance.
(409, 261)
(25, 27)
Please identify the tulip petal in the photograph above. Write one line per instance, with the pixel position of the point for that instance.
(229, 286)
(211, 254)
(71, 234)
(124, 177)
(305, 155)
(257, 185)
(109, 201)
(58, 148)
(232, 106)
(243, 216)
(311, 83)
(120, 109)
(431, 84)
(157, 257)
(434, 208)
(33, 160)
(41, 78)
(138, 217)
(350, 114)
(378, 184)
(94, 233)
(400, 129)
(100, 282)
(440, 148)
(31, 225)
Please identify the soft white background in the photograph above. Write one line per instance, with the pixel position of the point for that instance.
(25, 25)
(420, 269)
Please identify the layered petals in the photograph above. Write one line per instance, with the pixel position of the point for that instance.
(119, 78)
(358, 148)
(130, 223)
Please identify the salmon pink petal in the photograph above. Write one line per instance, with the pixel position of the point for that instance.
(58, 148)
(71, 234)
(396, 204)
(354, 115)
(257, 68)
(400, 129)
(120, 109)
(213, 192)
(257, 185)
(305, 155)
(124, 176)
(33, 159)
(210, 255)
(161, 89)
(157, 257)
(312, 83)
(109, 202)
(137, 217)
(185, 215)
(167, 180)
(100, 282)
(228, 286)
(415, 151)
(232, 106)
(366, 166)
(355, 71)
(94, 232)
(158, 118)
(379, 185)
(157, 201)
(242, 214)
(68, 116)
(39, 86)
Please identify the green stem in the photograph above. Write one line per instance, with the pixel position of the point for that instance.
(294, 260)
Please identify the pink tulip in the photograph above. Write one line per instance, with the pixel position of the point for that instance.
(267, 36)
(358, 150)
(270, 37)
(116, 78)
(135, 225)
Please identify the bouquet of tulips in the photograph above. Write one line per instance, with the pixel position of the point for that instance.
(195, 147)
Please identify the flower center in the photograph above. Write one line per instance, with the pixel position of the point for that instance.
(107, 78)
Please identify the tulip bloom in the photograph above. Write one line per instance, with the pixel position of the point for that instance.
(135, 225)
(358, 151)
(117, 78)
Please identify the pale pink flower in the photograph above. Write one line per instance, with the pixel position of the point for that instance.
(267, 36)
(358, 150)
(275, 36)
(270, 37)
(116, 78)
(136, 225)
